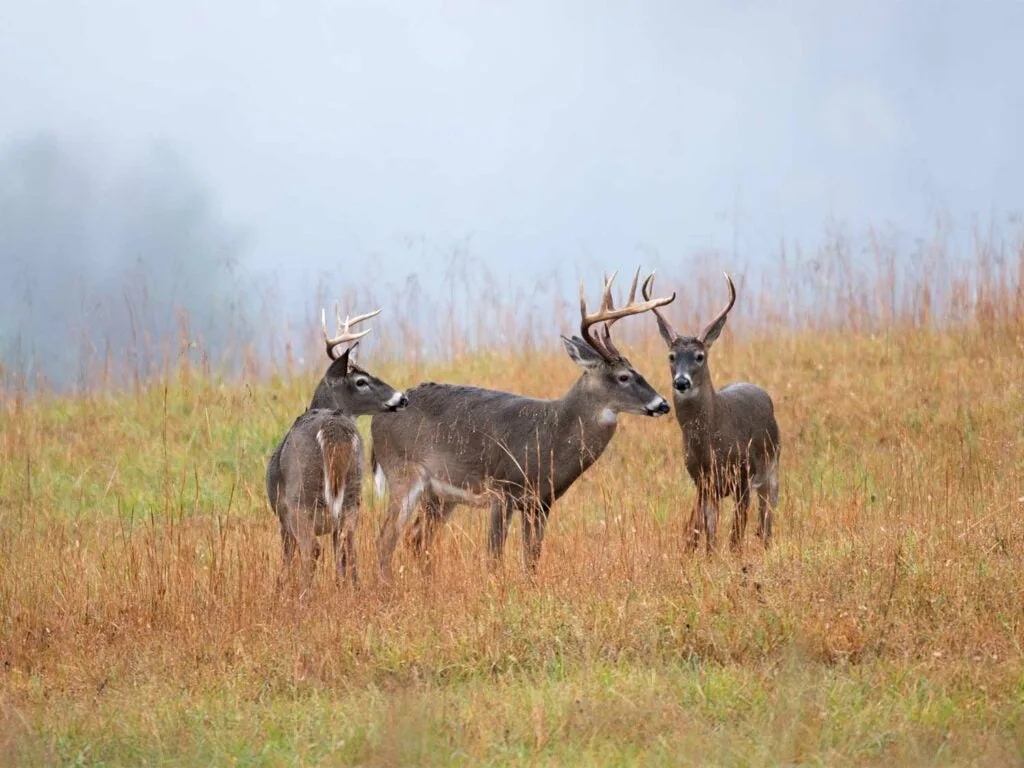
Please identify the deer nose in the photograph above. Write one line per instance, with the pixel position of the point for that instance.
(657, 407)
(682, 383)
(397, 401)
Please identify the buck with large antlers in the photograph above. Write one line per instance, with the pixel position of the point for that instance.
(314, 477)
(730, 437)
(465, 445)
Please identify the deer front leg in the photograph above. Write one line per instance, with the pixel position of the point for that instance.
(709, 511)
(501, 514)
(535, 518)
(739, 522)
(695, 525)
(767, 501)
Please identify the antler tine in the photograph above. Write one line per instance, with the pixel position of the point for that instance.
(586, 321)
(345, 333)
(607, 302)
(648, 287)
(608, 314)
(349, 322)
(606, 329)
(728, 307)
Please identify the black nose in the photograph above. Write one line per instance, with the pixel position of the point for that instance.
(402, 402)
(662, 408)
(681, 384)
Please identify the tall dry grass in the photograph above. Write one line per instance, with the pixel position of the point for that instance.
(138, 558)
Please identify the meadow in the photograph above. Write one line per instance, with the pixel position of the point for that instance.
(138, 559)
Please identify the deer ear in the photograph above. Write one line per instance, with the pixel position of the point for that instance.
(339, 368)
(666, 333)
(713, 331)
(582, 353)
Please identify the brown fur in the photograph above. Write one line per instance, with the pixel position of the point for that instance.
(320, 460)
(466, 445)
(730, 438)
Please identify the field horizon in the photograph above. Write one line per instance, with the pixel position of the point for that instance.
(138, 554)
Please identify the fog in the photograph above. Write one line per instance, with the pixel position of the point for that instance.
(202, 149)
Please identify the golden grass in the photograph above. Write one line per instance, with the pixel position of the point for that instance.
(138, 558)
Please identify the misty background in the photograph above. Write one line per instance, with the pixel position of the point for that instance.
(229, 167)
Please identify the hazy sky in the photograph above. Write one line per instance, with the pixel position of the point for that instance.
(332, 131)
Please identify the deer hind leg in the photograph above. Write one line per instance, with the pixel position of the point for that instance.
(288, 547)
(344, 539)
(338, 448)
(302, 533)
(347, 563)
(401, 504)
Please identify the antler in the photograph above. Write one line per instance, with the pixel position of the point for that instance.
(344, 328)
(662, 320)
(721, 315)
(609, 315)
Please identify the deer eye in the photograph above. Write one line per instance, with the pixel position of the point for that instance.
(699, 357)
(362, 383)
(624, 377)
(671, 357)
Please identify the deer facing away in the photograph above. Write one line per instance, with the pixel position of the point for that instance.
(730, 437)
(314, 476)
(466, 445)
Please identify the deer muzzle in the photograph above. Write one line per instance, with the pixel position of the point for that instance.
(396, 402)
(682, 383)
(657, 407)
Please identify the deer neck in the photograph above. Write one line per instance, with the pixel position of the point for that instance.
(322, 399)
(585, 418)
(696, 415)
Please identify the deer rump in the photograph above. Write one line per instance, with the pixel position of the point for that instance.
(471, 445)
(317, 469)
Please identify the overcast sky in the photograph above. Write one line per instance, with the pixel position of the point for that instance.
(333, 131)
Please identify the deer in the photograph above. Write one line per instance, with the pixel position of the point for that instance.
(730, 436)
(457, 444)
(314, 476)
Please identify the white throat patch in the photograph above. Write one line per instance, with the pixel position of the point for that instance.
(607, 418)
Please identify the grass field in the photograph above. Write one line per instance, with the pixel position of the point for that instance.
(138, 559)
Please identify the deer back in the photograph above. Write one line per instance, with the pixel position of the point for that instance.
(482, 439)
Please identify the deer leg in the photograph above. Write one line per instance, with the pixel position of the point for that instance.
(767, 501)
(695, 525)
(709, 511)
(739, 522)
(426, 525)
(288, 546)
(535, 518)
(693, 528)
(501, 516)
(347, 564)
(308, 546)
(400, 508)
(343, 538)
